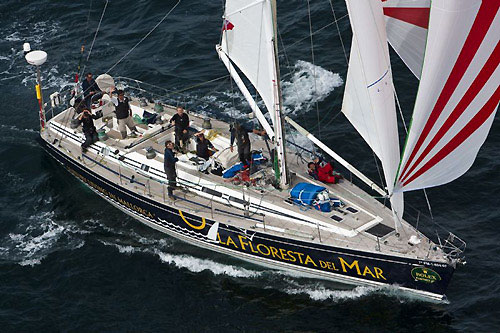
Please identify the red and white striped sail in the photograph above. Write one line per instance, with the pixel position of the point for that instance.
(369, 92)
(458, 94)
(406, 23)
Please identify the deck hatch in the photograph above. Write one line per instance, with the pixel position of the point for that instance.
(379, 230)
(336, 218)
(352, 210)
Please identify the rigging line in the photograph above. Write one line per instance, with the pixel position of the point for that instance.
(400, 111)
(143, 38)
(199, 84)
(290, 72)
(319, 30)
(224, 33)
(197, 102)
(258, 66)
(378, 168)
(88, 21)
(327, 114)
(314, 66)
(82, 49)
(338, 30)
(97, 30)
(406, 131)
(289, 67)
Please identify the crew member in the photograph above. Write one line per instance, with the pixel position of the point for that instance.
(124, 115)
(88, 128)
(204, 148)
(323, 171)
(90, 89)
(240, 133)
(169, 166)
(181, 122)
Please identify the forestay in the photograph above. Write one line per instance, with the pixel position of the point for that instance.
(406, 23)
(458, 93)
(369, 93)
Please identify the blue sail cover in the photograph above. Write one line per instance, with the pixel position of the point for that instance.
(305, 193)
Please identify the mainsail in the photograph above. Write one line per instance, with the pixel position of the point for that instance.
(406, 23)
(458, 94)
(369, 92)
(247, 40)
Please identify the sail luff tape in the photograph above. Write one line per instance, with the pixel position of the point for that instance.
(38, 92)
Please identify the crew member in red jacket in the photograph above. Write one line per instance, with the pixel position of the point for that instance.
(323, 171)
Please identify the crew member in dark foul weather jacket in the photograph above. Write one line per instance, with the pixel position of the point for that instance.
(240, 134)
(90, 89)
(88, 128)
(124, 115)
(181, 122)
(204, 148)
(169, 161)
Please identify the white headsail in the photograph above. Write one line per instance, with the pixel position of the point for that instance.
(369, 93)
(406, 23)
(458, 94)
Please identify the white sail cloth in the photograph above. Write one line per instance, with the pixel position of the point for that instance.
(247, 39)
(369, 93)
(458, 93)
(406, 24)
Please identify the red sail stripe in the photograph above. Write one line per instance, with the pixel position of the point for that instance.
(482, 23)
(413, 15)
(463, 135)
(483, 76)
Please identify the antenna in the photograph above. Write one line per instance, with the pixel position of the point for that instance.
(37, 58)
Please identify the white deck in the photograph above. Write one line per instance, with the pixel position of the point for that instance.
(299, 223)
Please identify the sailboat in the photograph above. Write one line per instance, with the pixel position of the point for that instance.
(280, 217)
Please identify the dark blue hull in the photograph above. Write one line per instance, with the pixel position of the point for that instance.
(424, 278)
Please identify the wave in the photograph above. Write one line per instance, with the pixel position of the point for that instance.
(14, 128)
(197, 265)
(51, 78)
(183, 261)
(40, 238)
(34, 33)
(308, 85)
(289, 282)
(319, 292)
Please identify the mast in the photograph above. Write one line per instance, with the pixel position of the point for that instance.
(281, 169)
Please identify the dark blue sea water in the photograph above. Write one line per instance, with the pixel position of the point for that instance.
(71, 262)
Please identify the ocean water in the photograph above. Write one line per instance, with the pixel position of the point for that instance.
(71, 262)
